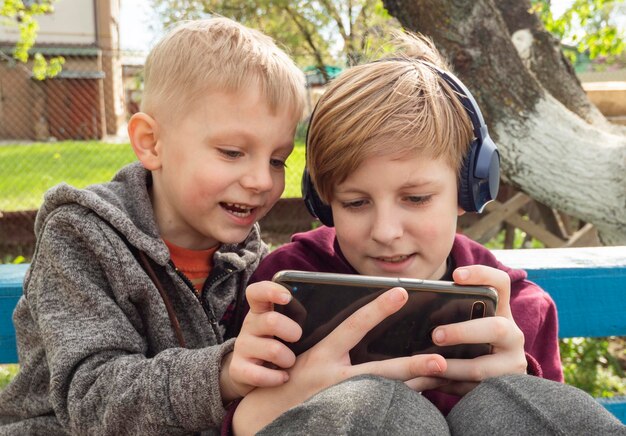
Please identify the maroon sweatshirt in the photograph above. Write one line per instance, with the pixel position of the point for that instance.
(533, 309)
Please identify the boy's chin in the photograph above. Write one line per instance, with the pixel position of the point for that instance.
(235, 237)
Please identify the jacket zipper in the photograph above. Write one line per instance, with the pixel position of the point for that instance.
(206, 288)
(208, 311)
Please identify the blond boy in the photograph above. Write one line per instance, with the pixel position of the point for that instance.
(126, 322)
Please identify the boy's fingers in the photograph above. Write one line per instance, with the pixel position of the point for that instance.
(405, 368)
(493, 330)
(355, 327)
(262, 296)
(268, 350)
(271, 324)
(483, 367)
(260, 376)
(487, 276)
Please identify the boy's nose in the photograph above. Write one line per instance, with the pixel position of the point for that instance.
(258, 178)
(386, 226)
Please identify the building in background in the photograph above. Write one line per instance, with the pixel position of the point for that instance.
(84, 101)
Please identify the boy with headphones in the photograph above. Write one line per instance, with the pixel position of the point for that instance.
(397, 149)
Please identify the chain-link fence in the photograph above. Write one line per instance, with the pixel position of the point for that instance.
(84, 101)
(56, 129)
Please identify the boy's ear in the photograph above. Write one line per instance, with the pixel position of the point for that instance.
(143, 132)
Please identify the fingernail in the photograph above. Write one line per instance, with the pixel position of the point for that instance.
(463, 273)
(396, 295)
(439, 336)
(285, 298)
(433, 366)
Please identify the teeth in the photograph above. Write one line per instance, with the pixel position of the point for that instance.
(240, 214)
(394, 259)
(239, 206)
(239, 210)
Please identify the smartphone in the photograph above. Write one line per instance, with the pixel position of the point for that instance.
(321, 301)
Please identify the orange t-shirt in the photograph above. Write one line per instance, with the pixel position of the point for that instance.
(195, 264)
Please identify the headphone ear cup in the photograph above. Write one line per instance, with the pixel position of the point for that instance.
(466, 181)
(480, 176)
(314, 203)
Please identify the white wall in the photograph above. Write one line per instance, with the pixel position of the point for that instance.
(72, 22)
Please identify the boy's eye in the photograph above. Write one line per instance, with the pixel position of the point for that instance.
(278, 163)
(232, 154)
(353, 204)
(418, 199)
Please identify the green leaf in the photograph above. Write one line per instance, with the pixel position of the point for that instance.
(23, 16)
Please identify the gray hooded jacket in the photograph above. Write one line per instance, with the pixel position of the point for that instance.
(97, 348)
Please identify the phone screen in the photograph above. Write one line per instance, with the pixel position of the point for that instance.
(322, 301)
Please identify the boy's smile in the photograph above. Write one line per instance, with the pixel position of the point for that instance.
(401, 222)
(221, 168)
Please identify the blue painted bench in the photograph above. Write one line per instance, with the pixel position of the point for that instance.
(587, 284)
(589, 288)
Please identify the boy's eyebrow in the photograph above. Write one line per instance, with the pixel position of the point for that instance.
(420, 183)
(413, 184)
(242, 134)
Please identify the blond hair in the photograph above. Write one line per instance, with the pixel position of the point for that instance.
(218, 54)
(397, 105)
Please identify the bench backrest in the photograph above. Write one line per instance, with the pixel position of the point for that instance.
(587, 284)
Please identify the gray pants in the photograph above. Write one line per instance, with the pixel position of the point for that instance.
(507, 405)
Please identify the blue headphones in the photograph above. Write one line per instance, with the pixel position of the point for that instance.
(480, 172)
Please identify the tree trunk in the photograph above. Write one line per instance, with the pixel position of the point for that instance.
(541, 53)
(547, 150)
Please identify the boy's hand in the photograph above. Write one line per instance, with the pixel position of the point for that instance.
(328, 363)
(505, 337)
(258, 356)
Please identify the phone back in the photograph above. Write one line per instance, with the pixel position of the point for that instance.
(323, 300)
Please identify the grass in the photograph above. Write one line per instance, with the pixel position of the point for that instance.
(29, 170)
(293, 174)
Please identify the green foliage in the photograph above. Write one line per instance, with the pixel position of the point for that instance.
(7, 372)
(589, 24)
(520, 240)
(24, 17)
(589, 365)
(43, 69)
(13, 259)
(313, 32)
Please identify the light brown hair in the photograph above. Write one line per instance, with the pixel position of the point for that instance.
(218, 54)
(397, 105)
